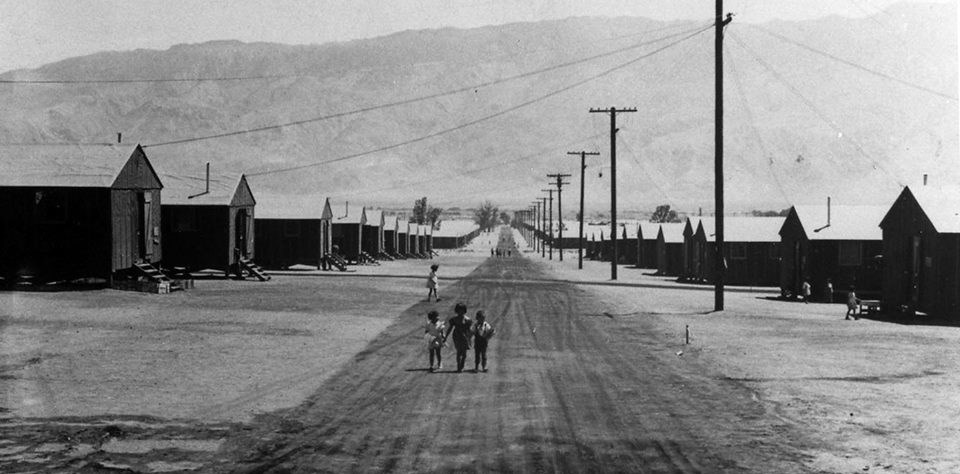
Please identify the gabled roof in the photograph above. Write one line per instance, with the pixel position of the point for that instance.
(743, 229)
(224, 189)
(75, 166)
(349, 214)
(455, 228)
(941, 205)
(274, 206)
(391, 222)
(375, 218)
(672, 232)
(846, 222)
(649, 230)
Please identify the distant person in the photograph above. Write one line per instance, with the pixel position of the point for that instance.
(460, 326)
(509, 252)
(829, 291)
(491, 251)
(433, 330)
(482, 332)
(805, 291)
(432, 281)
(852, 302)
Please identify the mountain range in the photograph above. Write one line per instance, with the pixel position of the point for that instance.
(849, 108)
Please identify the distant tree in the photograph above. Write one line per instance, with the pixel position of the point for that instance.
(419, 211)
(433, 215)
(505, 218)
(424, 214)
(780, 213)
(486, 215)
(664, 214)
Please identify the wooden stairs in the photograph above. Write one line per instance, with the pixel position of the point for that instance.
(335, 261)
(367, 259)
(254, 270)
(157, 281)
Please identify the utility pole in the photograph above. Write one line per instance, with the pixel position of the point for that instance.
(583, 168)
(536, 225)
(718, 163)
(543, 227)
(559, 177)
(613, 111)
(550, 226)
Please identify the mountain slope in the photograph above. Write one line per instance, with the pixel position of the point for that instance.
(852, 135)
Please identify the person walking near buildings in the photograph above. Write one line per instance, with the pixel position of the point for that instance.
(460, 327)
(482, 332)
(432, 282)
(805, 290)
(852, 302)
(433, 331)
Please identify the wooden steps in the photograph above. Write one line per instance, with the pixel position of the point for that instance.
(335, 261)
(367, 259)
(253, 269)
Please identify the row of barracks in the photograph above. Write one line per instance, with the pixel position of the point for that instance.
(906, 254)
(106, 212)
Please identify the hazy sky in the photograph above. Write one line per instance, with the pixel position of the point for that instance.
(36, 32)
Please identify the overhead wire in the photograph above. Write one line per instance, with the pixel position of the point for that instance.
(854, 65)
(436, 95)
(875, 164)
(752, 122)
(462, 174)
(488, 117)
(274, 76)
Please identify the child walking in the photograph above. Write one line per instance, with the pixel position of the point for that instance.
(460, 325)
(852, 302)
(434, 335)
(432, 282)
(482, 332)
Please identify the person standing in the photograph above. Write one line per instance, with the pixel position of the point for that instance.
(482, 332)
(434, 335)
(829, 290)
(460, 327)
(852, 302)
(805, 291)
(432, 281)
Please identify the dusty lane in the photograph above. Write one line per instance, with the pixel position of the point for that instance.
(569, 389)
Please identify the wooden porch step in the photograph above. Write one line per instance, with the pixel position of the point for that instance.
(254, 269)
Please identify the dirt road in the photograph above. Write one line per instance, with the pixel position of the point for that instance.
(570, 388)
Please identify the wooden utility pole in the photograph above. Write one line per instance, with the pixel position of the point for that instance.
(543, 226)
(613, 111)
(583, 168)
(559, 177)
(720, 263)
(550, 226)
(536, 224)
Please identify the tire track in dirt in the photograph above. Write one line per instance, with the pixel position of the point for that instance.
(566, 392)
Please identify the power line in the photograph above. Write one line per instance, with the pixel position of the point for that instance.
(151, 80)
(269, 76)
(816, 110)
(425, 97)
(486, 117)
(473, 171)
(855, 65)
(751, 120)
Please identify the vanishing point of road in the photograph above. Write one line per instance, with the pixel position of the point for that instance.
(570, 389)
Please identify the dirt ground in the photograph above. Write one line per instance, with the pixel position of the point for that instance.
(317, 372)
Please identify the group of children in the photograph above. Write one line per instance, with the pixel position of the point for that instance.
(853, 302)
(464, 331)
